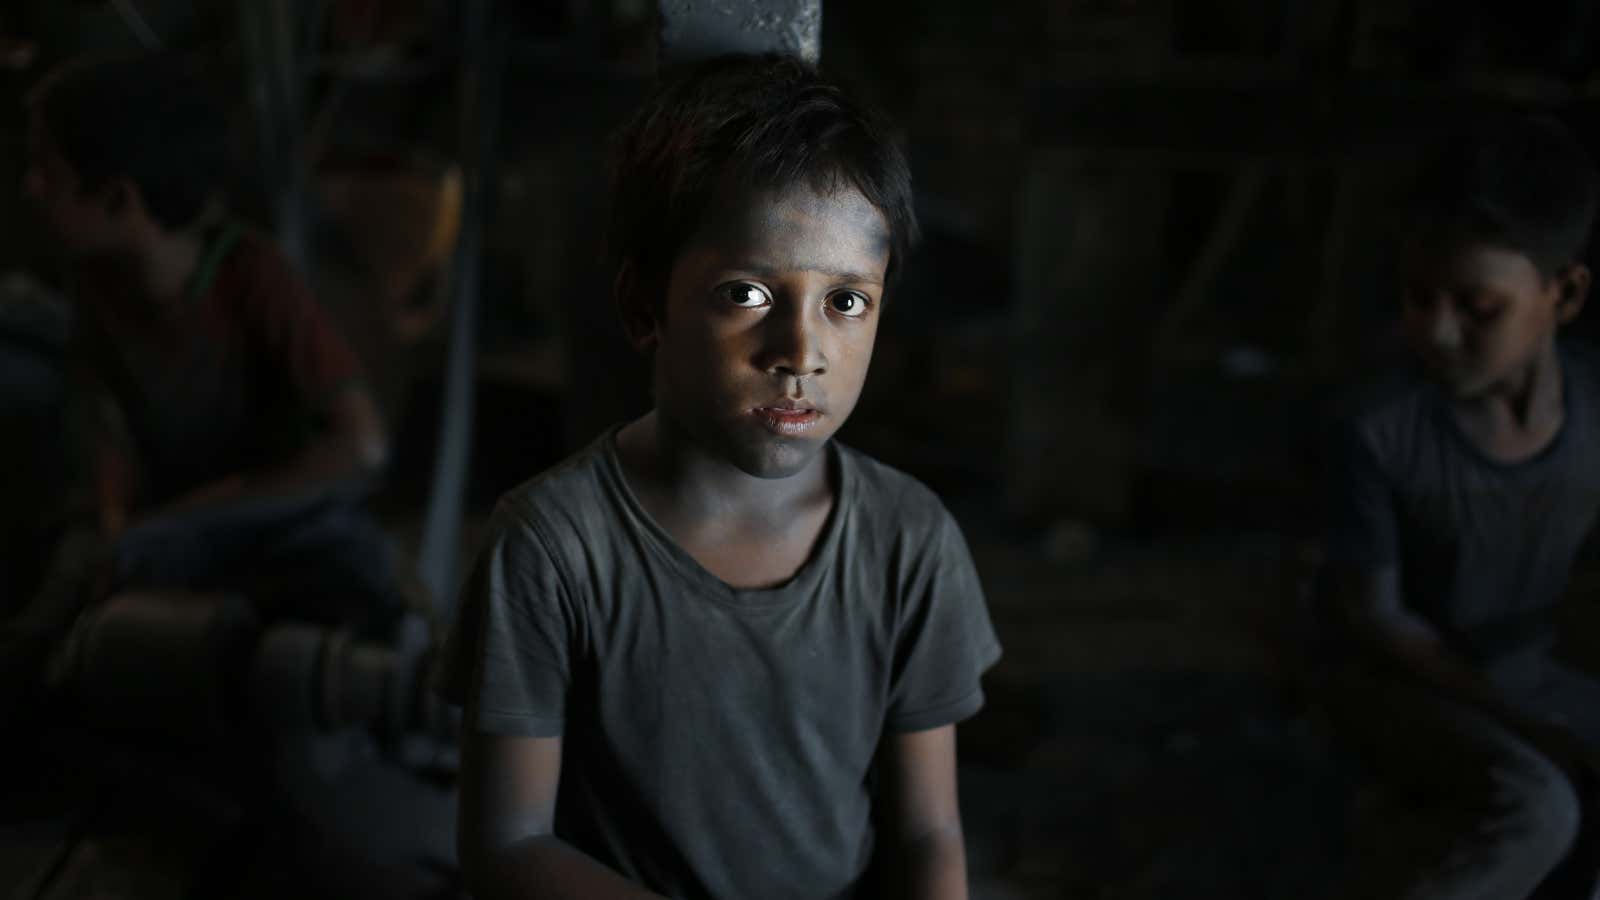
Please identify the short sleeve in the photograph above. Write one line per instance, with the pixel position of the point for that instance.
(1361, 527)
(945, 641)
(507, 658)
(297, 332)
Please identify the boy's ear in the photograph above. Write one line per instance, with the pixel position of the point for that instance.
(1574, 286)
(638, 311)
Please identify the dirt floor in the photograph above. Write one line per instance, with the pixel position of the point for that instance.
(1145, 737)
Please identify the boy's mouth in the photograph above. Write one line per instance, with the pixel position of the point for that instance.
(1445, 367)
(788, 418)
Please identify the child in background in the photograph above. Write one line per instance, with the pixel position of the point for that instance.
(231, 429)
(1463, 492)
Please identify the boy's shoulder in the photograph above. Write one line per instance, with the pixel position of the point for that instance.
(888, 497)
(1386, 409)
(567, 497)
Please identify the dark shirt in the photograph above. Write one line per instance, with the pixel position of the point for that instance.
(1484, 548)
(718, 742)
(234, 385)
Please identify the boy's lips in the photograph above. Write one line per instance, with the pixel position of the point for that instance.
(788, 418)
(1445, 367)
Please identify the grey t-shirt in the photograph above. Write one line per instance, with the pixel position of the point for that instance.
(718, 742)
(1484, 548)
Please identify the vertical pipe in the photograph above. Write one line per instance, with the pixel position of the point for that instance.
(482, 64)
(267, 33)
(285, 70)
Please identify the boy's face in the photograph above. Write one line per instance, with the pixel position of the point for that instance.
(1478, 314)
(82, 222)
(762, 344)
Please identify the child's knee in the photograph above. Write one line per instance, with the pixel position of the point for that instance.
(1539, 801)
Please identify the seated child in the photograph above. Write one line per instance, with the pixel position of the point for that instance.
(242, 417)
(718, 654)
(1463, 492)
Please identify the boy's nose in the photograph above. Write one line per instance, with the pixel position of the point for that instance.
(1444, 328)
(793, 344)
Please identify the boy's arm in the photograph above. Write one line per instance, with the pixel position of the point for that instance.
(505, 839)
(301, 343)
(1372, 606)
(1363, 576)
(106, 489)
(352, 447)
(1363, 582)
(923, 851)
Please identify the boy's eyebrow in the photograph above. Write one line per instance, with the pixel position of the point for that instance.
(767, 271)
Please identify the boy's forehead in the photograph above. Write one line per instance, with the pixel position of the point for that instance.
(1466, 259)
(797, 228)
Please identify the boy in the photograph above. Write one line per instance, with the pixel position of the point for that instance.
(242, 416)
(1463, 495)
(704, 656)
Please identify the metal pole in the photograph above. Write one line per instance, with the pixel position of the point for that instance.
(482, 69)
(268, 35)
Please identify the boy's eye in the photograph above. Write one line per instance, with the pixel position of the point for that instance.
(746, 295)
(1479, 306)
(849, 304)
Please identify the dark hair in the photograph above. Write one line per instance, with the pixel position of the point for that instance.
(155, 120)
(761, 122)
(1525, 184)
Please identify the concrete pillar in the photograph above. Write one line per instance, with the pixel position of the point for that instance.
(692, 29)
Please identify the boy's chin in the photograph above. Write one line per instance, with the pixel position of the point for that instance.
(1456, 386)
(776, 457)
(1463, 385)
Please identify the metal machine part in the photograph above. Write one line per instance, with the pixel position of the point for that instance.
(156, 662)
(191, 666)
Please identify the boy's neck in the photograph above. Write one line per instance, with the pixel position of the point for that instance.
(681, 482)
(1520, 416)
(156, 268)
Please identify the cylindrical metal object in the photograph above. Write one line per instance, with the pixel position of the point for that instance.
(186, 666)
(284, 682)
(368, 673)
(158, 662)
(306, 678)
